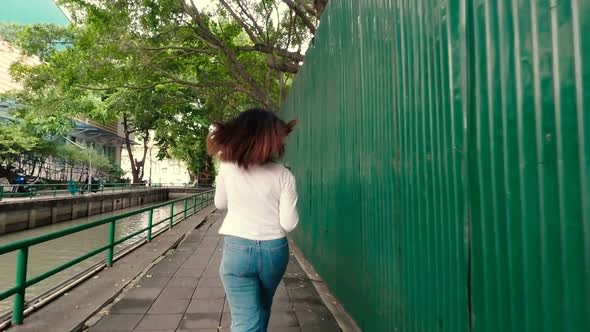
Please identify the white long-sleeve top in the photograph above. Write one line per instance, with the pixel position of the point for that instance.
(261, 201)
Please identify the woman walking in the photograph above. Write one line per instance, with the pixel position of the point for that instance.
(261, 198)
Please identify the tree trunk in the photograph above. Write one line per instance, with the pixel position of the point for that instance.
(320, 6)
(137, 166)
(127, 132)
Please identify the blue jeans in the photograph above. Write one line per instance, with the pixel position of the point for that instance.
(251, 272)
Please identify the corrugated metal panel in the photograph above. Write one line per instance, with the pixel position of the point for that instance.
(442, 163)
(529, 167)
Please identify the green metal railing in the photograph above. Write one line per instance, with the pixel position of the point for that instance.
(32, 190)
(192, 204)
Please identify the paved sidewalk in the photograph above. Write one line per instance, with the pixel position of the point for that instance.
(183, 293)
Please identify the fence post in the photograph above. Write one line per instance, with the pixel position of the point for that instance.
(21, 280)
(54, 191)
(150, 222)
(185, 208)
(171, 215)
(1, 192)
(194, 204)
(111, 243)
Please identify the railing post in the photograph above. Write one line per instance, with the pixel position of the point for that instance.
(150, 222)
(185, 208)
(111, 243)
(21, 280)
(194, 204)
(171, 215)
(1, 192)
(54, 191)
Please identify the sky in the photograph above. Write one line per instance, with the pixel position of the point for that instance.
(32, 11)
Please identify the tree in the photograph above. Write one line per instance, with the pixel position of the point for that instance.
(15, 141)
(251, 47)
(153, 62)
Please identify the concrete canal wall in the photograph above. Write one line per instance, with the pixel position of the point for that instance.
(21, 215)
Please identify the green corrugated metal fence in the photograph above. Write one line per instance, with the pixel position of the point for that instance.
(443, 163)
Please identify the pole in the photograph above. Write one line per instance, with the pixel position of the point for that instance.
(89, 169)
(171, 215)
(151, 165)
(110, 250)
(150, 223)
(21, 280)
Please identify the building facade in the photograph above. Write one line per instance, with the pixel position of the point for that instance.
(167, 171)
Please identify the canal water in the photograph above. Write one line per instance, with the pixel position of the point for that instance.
(46, 256)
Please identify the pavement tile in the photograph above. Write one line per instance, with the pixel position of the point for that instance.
(200, 321)
(117, 323)
(183, 282)
(189, 272)
(303, 292)
(153, 282)
(282, 319)
(177, 293)
(211, 282)
(321, 328)
(308, 304)
(169, 306)
(282, 305)
(211, 293)
(143, 293)
(226, 307)
(131, 306)
(315, 318)
(226, 320)
(161, 272)
(159, 322)
(205, 306)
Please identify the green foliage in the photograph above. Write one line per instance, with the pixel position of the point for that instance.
(115, 173)
(15, 141)
(164, 66)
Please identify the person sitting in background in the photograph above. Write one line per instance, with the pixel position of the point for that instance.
(19, 181)
(73, 188)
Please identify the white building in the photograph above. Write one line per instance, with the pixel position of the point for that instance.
(167, 171)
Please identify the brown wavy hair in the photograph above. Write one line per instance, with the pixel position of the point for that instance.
(255, 137)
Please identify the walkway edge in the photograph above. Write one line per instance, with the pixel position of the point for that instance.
(67, 312)
(344, 320)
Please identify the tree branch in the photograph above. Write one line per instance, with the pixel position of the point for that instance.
(294, 56)
(282, 66)
(237, 70)
(320, 6)
(131, 87)
(186, 49)
(308, 8)
(302, 15)
(248, 15)
(240, 21)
